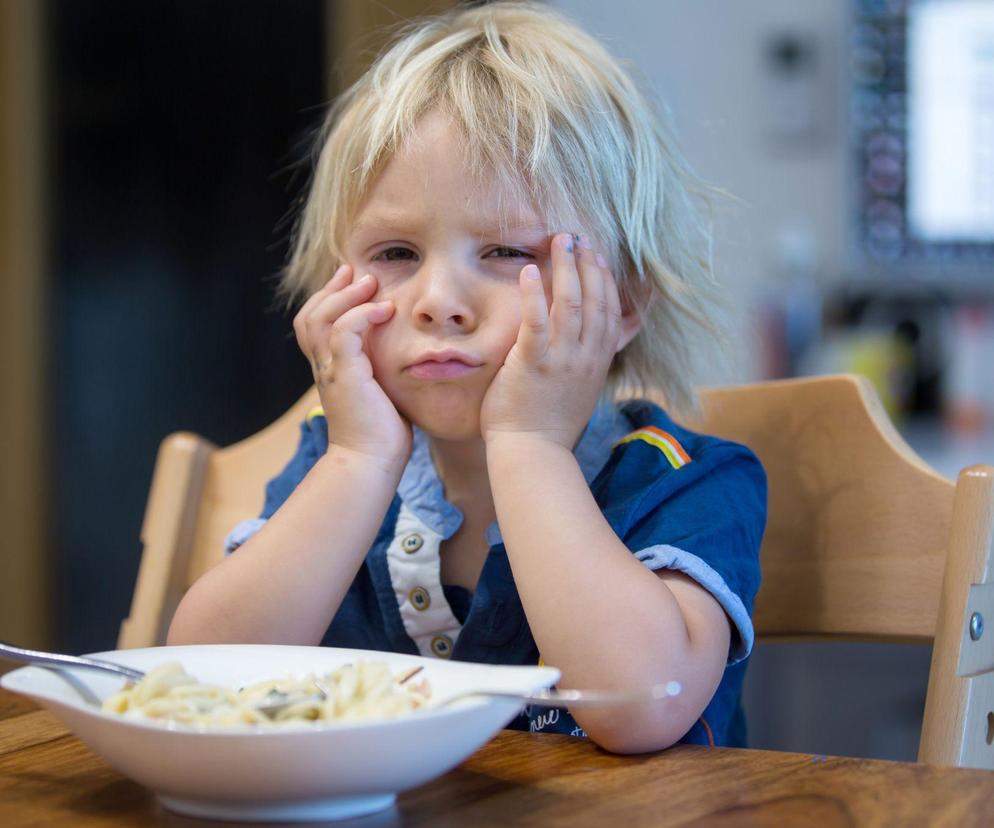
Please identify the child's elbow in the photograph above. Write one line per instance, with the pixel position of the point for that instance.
(633, 733)
(629, 742)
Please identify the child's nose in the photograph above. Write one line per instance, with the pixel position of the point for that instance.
(442, 300)
(427, 318)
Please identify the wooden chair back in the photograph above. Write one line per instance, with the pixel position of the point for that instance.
(199, 493)
(864, 540)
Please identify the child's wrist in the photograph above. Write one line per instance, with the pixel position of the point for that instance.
(526, 441)
(355, 461)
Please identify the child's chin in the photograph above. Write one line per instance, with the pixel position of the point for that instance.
(446, 413)
(448, 424)
(449, 429)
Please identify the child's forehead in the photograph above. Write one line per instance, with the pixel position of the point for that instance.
(378, 218)
(486, 205)
(434, 173)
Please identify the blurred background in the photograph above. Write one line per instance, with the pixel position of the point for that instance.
(152, 154)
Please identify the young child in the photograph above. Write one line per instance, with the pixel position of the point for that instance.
(510, 236)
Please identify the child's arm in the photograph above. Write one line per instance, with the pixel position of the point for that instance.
(286, 583)
(596, 612)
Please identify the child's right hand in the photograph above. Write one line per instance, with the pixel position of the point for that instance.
(330, 328)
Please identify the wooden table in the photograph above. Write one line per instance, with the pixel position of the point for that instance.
(47, 777)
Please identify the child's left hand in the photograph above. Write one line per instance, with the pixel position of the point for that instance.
(554, 373)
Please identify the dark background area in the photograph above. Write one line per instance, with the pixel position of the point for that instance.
(175, 146)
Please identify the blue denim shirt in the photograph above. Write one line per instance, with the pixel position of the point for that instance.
(677, 499)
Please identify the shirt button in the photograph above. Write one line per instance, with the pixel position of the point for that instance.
(412, 543)
(419, 598)
(441, 645)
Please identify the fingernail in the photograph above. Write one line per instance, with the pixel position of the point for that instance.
(568, 243)
(584, 241)
(366, 278)
(601, 261)
(531, 272)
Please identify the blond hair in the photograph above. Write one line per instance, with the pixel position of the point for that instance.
(550, 115)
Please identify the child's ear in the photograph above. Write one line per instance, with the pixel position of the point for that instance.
(631, 317)
(631, 324)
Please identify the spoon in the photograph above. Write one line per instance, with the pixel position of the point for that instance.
(544, 698)
(573, 698)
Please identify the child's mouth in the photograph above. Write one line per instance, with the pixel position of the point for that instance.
(443, 363)
(448, 369)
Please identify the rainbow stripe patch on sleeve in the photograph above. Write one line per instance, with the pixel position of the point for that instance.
(317, 411)
(662, 440)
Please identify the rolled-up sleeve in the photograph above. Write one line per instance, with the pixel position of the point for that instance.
(704, 519)
(313, 443)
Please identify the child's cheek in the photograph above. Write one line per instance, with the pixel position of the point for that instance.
(386, 281)
(386, 288)
(509, 329)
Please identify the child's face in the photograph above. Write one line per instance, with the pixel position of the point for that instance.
(432, 240)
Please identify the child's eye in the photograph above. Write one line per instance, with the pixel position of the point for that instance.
(395, 254)
(510, 253)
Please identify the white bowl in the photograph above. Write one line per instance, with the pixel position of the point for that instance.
(324, 771)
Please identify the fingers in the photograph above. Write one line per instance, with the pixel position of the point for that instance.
(585, 302)
(313, 322)
(324, 314)
(594, 289)
(331, 325)
(533, 335)
(566, 315)
(341, 354)
(340, 279)
(346, 340)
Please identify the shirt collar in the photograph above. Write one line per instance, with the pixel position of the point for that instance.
(422, 491)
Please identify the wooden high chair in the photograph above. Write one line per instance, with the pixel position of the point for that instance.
(864, 540)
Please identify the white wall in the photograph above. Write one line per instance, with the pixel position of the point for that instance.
(706, 59)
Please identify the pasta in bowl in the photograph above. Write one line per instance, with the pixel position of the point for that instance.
(307, 766)
(351, 692)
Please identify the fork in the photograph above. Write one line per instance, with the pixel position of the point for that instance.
(57, 660)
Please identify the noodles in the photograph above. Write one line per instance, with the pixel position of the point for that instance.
(353, 692)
